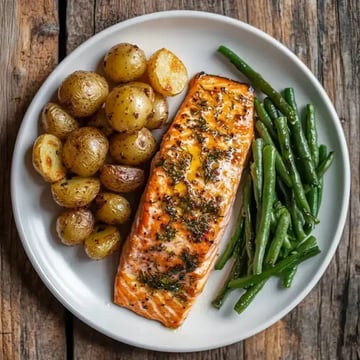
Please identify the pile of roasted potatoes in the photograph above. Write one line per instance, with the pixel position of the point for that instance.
(98, 139)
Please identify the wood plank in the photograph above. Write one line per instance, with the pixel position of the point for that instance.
(31, 320)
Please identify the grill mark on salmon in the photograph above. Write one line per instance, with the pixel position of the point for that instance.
(174, 240)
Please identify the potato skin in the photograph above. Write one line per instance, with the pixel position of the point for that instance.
(82, 93)
(148, 90)
(75, 192)
(121, 178)
(73, 226)
(133, 149)
(47, 158)
(102, 242)
(57, 121)
(112, 209)
(160, 115)
(85, 151)
(127, 108)
(124, 62)
(167, 73)
(100, 121)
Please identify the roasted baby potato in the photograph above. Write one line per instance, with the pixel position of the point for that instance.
(73, 226)
(57, 121)
(127, 108)
(167, 74)
(100, 121)
(47, 157)
(102, 242)
(124, 62)
(82, 93)
(75, 192)
(121, 178)
(160, 114)
(85, 151)
(133, 149)
(112, 209)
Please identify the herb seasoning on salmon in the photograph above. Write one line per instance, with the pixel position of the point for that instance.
(186, 206)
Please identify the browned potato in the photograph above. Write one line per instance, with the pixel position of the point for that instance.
(127, 108)
(104, 241)
(167, 73)
(133, 149)
(85, 151)
(73, 226)
(124, 62)
(121, 178)
(75, 192)
(112, 209)
(82, 93)
(47, 157)
(100, 121)
(160, 113)
(57, 121)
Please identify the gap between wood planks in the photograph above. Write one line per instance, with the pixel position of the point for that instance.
(68, 316)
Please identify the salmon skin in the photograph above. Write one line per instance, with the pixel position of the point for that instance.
(174, 240)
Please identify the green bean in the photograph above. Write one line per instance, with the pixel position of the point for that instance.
(230, 246)
(282, 265)
(264, 117)
(300, 141)
(257, 170)
(248, 297)
(271, 109)
(322, 157)
(263, 230)
(237, 270)
(288, 276)
(278, 239)
(311, 133)
(258, 81)
(297, 220)
(325, 164)
(288, 156)
(224, 290)
(247, 217)
(279, 163)
(313, 199)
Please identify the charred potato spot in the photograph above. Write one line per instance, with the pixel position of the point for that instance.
(73, 226)
(85, 151)
(47, 158)
(57, 121)
(112, 209)
(120, 178)
(133, 149)
(82, 93)
(75, 192)
(102, 242)
(124, 62)
(127, 108)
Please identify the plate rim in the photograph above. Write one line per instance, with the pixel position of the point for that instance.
(341, 138)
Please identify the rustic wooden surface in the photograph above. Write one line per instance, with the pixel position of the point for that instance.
(35, 35)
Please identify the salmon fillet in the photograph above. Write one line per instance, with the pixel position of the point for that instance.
(174, 240)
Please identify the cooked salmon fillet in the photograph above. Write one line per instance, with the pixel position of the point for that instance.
(168, 256)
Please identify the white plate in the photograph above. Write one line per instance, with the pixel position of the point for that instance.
(84, 286)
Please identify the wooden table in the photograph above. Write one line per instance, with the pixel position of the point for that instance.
(36, 35)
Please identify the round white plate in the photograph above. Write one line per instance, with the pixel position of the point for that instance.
(85, 286)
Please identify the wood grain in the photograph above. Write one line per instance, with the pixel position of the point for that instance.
(324, 34)
(31, 320)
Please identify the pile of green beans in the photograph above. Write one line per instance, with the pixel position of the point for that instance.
(281, 193)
